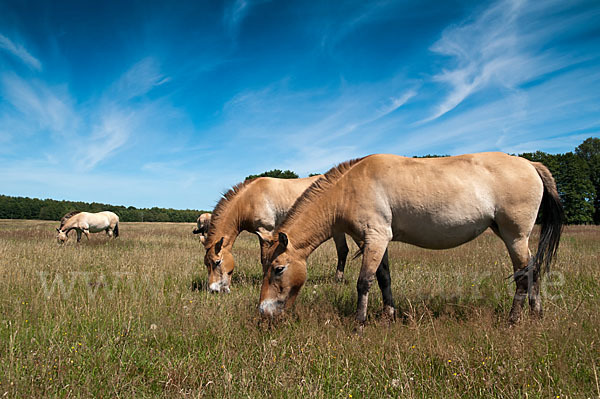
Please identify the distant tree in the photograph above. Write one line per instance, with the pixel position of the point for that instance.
(575, 188)
(278, 173)
(589, 150)
(314, 174)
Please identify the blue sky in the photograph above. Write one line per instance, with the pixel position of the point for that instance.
(149, 103)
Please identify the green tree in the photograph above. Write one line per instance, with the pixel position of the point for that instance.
(589, 150)
(278, 173)
(576, 189)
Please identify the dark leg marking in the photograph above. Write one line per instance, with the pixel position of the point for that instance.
(342, 252)
(385, 285)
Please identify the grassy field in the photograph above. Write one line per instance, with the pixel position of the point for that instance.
(120, 319)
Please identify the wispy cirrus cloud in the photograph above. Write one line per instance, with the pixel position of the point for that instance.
(236, 12)
(501, 48)
(141, 78)
(335, 30)
(39, 105)
(315, 128)
(91, 132)
(550, 116)
(20, 52)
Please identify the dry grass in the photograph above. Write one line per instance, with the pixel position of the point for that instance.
(125, 322)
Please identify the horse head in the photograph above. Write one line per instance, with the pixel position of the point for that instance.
(284, 275)
(61, 236)
(219, 264)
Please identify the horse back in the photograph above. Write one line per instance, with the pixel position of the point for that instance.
(267, 200)
(439, 202)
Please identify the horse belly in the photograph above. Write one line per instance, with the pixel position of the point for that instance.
(98, 224)
(438, 232)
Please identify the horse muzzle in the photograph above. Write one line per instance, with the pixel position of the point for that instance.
(271, 308)
(219, 287)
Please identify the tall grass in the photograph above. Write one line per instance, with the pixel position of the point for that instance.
(119, 318)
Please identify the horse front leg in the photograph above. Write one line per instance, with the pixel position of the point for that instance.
(372, 257)
(78, 235)
(342, 252)
(87, 234)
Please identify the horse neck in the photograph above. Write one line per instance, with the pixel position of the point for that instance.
(312, 225)
(70, 224)
(229, 225)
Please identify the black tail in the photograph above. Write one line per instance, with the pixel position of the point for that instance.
(552, 218)
(116, 230)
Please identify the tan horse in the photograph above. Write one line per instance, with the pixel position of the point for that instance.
(432, 203)
(256, 206)
(202, 226)
(86, 223)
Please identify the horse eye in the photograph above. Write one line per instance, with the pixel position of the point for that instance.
(279, 270)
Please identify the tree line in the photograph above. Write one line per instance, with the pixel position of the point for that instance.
(577, 176)
(49, 209)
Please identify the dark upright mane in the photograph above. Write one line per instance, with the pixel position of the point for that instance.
(222, 206)
(67, 216)
(318, 187)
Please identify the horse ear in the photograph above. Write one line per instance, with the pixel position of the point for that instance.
(283, 239)
(266, 236)
(219, 245)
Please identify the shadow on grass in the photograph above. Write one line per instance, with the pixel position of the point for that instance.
(200, 283)
(421, 307)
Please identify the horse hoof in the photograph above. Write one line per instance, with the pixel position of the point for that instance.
(389, 313)
(359, 329)
(514, 319)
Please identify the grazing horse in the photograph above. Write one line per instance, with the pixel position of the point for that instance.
(86, 223)
(257, 206)
(202, 226)
(434, 203)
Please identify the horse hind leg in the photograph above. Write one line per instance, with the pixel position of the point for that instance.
(518, 249)
(342, 252)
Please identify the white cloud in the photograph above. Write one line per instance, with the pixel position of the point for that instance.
(497, 48)
(20, 52)
(91, 132)
(47, 108)
(236, 12)
(551, 116)
(334, 31)
(140, 79)
(112, 132)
